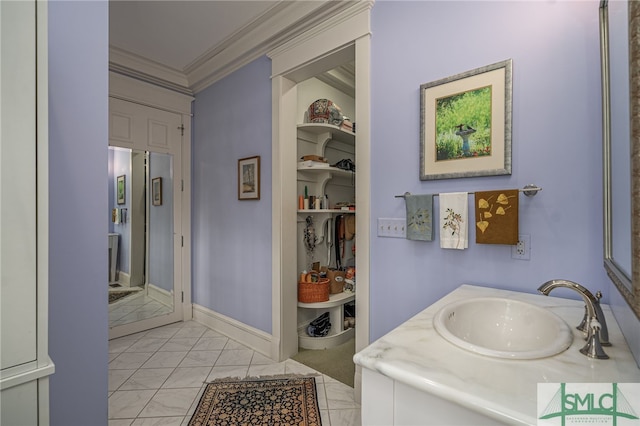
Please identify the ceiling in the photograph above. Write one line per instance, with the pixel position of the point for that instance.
(187, 45)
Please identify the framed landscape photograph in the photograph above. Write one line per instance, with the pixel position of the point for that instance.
(249, 178)
(465, 124)
(120, 189)
(156, 191)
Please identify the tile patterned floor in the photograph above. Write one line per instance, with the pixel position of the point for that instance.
(156, 377)
(135, 308)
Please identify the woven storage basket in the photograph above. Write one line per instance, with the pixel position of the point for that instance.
(314, 292)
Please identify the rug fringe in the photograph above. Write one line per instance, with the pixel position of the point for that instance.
(259, 378)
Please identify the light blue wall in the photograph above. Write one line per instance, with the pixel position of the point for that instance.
(78, 111)
(232, 238)
(161, 224)
(120, 165)
(556, 144)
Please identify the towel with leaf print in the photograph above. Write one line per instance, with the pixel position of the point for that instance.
(419, 217)
(496, 217)
(454, 220)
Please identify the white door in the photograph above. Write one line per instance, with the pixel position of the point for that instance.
(24, 181)
(18, 185)
(145, 177)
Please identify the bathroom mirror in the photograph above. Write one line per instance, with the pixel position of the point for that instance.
(620, 52)
(141, 275)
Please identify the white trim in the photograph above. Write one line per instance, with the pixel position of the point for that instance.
(363, 199)
(142, 93)
(284, 164)
(132, 90)
(42, 132)
(255, 339)
(124, 279)
(160, 294)
(187, 312)
(331, 35)
(291, 63)
(281, 23)
(45, 370)
(131, 64)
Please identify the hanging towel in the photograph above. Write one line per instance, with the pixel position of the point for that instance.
(454, 220)
(419, 217)
(496, 217)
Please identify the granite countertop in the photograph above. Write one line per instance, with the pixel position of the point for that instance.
(416, 355)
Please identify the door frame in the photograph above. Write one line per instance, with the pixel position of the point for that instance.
(135, 91)
(315, 51)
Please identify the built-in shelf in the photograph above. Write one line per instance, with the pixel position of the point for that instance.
(337, 299)
(319, 211)
(334, 170)
(332, 340)
(338, 334)
(336, 133)
(339, 184)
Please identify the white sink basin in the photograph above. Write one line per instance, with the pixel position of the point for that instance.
(503, 328)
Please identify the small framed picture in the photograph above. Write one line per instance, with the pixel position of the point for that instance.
(120, 189)
(249, 178)
(156, 191)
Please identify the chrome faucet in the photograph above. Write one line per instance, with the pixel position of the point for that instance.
(594, 321)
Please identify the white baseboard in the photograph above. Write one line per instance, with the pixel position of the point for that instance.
(357, 384)
(124, 279)
(161, 295)
(256, 339)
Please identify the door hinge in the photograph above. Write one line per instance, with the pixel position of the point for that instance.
(182, 189)
(182, 293)
(181, 128)
(182, 240)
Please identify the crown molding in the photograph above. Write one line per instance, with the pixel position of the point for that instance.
(346, 13)
(148, 94)
(282, 23)
(331, 36)
(285, 21)
(342, 78)
(141, 68)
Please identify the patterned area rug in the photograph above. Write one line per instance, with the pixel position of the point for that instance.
(274, 401)
(114, 296)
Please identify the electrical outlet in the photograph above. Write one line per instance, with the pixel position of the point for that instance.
(393, 228)
(522, 250)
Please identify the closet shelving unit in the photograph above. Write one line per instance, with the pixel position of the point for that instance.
(333, 143)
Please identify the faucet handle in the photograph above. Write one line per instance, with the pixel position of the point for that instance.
(593, 348)
(585, 320)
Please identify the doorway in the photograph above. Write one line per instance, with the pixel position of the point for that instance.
(148, 204)
(342, 41)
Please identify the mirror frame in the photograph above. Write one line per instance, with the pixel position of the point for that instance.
(629, 288)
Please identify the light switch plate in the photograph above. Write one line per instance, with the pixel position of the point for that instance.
(392, 227)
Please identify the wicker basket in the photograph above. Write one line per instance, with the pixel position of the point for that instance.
(314, 292)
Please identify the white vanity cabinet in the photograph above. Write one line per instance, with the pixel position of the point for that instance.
(414, 376)
(334, 144)
(24, 360)
(391, 402)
